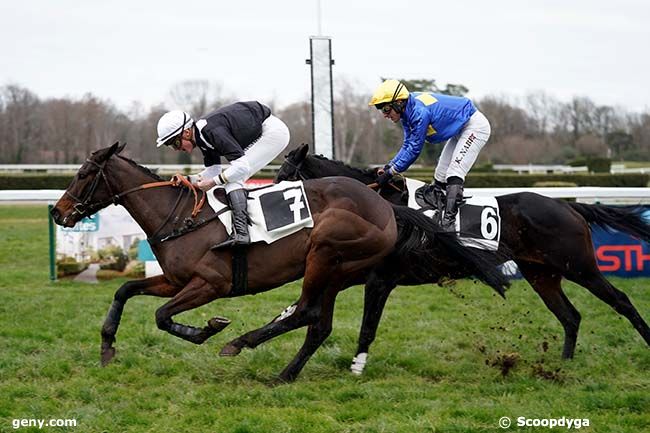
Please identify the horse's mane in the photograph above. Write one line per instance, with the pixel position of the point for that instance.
(142, 168)
(359, 171)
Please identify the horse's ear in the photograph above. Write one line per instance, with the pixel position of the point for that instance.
(115, 148)
(121, 147)
(302, 152)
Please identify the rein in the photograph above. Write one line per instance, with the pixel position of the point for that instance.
(299, 175)
(375, 186)
(83, 206)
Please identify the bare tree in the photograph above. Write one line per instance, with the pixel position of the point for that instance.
(352, 121)
(297, 116)
(21, 126)
(198, 97)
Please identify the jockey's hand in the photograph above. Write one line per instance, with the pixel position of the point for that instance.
(206, 184)
(384, 177)
(176, 180)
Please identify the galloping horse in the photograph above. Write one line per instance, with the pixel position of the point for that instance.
(547, 238)
(353, 230)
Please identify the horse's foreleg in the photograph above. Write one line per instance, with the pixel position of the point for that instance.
(196, 293)
(304, 314)
(376, 294)
(316, 335)
(308, 309)
(154, 286)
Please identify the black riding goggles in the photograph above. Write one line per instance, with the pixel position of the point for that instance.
(393, 104)
(174, 142)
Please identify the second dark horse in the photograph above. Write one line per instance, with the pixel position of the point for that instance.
(548, 239)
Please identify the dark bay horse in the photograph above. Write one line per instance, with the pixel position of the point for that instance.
(548, 239)
(353, 230)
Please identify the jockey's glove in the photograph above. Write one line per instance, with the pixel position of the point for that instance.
(386, 176)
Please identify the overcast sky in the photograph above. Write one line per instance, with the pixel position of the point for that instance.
(136, 50)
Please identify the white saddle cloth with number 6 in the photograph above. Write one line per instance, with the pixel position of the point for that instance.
(275, 211)
(478, 220)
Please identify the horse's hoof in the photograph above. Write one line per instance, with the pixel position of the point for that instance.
(218, 323)
(230, 350)
(285, 378)
(359, 364)
(107, 356)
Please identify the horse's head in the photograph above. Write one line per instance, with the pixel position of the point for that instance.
(89, 190)
(300, 165)
(293, 164)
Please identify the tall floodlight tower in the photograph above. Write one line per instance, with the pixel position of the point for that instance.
(322, 95)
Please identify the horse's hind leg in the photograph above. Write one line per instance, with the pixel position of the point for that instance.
(376, 294)
(547, 284)
(154, 286)
(594, 281)
(196, 293)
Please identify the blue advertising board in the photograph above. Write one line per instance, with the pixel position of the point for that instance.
(621, 255)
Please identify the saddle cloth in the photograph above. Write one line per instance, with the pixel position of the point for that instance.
(478, 219)
(275, 211)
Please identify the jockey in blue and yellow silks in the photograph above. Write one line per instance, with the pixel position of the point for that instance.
(434, 118)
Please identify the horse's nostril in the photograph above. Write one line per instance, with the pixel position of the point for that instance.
(55, 214)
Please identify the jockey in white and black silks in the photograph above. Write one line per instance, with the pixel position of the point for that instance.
(434, 118)
(245, 133)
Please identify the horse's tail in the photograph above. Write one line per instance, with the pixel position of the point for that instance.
(627, 219)
(420, 239)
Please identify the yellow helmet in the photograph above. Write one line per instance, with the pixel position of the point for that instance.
(389, 91)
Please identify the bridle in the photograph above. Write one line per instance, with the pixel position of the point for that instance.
(84, 207)
(297, 167)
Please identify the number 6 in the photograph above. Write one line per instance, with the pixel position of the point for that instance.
(489, 224)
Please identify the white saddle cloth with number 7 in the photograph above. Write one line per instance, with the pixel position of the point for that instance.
(275, 211)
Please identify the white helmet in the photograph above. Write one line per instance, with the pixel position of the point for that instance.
(171, 124)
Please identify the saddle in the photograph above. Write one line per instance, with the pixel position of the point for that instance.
(427, 199)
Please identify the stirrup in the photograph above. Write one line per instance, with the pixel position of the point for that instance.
(449, 227)
(231, 241)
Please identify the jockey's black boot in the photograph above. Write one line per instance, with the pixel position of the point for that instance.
(453, 200)
(238, 204)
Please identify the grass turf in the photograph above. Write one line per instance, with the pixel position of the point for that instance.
(453, 359)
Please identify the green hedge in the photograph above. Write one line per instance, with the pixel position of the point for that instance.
(70, 268)
(594, 165)
(477, 180)
(35, 181)
(474, 180)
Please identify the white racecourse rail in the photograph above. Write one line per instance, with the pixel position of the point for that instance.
(582, 194)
